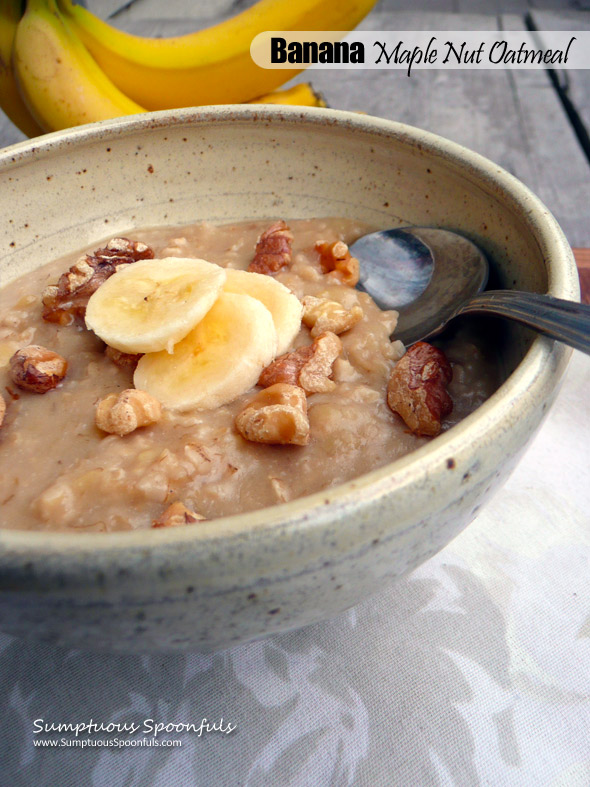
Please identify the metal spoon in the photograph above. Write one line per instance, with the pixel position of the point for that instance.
(432, 275)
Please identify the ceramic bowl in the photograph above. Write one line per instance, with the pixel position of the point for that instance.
(246, 576)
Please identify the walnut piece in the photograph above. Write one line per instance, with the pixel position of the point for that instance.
(321, 314)
(123, 413)
(417, 388)
(2, 409)
(37, 369)
(338, 262)
(66, 301)
(273, 250)
(286, 368)
(314, 376)
(122, 360)
(177, 514)
(277, 415)
(309, 367)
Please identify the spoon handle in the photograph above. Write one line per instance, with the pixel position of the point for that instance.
(565, 321)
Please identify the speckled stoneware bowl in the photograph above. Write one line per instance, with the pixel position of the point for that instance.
(245, 576)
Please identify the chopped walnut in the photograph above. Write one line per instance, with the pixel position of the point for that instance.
(417, 388)
(277, 415)
(123, 413)
(37, 369)
(286, 368)
(338, 262)
(309, 367)
(314, 376)
(273, 250)
(177, 514)
(2, 409)
(66, 301)
(321, 314)
(122, 360)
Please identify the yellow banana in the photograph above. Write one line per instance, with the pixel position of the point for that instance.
(10, 99)
(301, 95)
(211, 66)
(59, 80)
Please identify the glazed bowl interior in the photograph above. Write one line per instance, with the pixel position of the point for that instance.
(72, 189)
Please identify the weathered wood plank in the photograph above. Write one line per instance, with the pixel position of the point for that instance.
(106, 8)
(9, 133)
(512, 117)
(576, 84)
(562, 171)
(426, 6)
(197, 14)
(493, 7)
(128, 10)
(583, 262)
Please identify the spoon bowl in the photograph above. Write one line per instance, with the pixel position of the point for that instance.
(432, 275)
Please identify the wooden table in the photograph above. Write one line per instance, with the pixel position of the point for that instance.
(534, 124)
(583, 262)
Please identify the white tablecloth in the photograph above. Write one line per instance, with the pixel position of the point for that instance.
(473, 671)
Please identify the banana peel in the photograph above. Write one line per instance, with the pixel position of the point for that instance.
(210, 66)
(60, 82)
(302, 95)
(48, 39)
(11, 101)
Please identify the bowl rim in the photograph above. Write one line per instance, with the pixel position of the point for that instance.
(537, 368)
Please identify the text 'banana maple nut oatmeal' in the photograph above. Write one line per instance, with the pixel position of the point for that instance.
(184, 374)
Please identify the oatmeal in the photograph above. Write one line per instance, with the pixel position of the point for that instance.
(81, 448)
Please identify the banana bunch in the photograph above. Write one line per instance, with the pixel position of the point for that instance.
(207, 332)
(62, 66)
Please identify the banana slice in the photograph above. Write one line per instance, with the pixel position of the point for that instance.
(286, 308)
(152, 304)
(218, 361)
